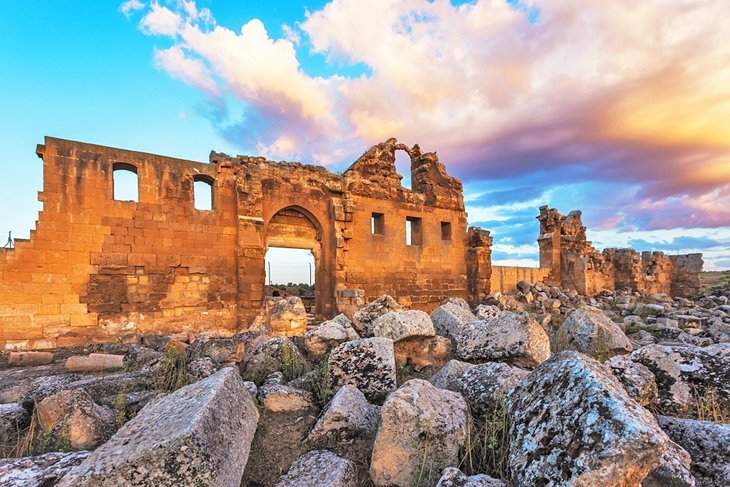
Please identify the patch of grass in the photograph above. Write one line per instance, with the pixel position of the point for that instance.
(34, 440)
(487, 447)
(423, 477)
(173, 374)
(322, 387)
(291, 363)
(709, 407)
(120, 407)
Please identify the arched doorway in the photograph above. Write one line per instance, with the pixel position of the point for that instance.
(294, 227)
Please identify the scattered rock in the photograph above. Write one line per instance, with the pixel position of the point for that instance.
(363, 318)
(588, 330)
(510, 337)
(328, 335)
(707, 443)
(571, 421)
(71, 419)
(219, 350)
(287, 317)
(422, 429)
(422, 351)
(637, 379)
(403, 324)
(320, 468)
(200, 434)
(449, 318)
(453, 477)
(39, 471)
(13, 419)
(278, 354)
(277, 397)
(485, 385)
(673, 469)
(446, 378)
(367, 363)
(487, 311)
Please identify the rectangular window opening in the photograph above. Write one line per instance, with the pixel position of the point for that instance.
(445, 230)
(377, 224)
(414, 234)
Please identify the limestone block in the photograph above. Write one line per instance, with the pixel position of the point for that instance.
(403, 324)
(320, 468)
(30, 358)
(41, 470)
(95, 362)
(200, 433)
(367, 363)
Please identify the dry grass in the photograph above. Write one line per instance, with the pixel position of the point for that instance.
(709, 407)
(173, 374)
(487, 448)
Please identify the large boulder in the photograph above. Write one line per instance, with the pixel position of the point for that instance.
(707, 443)
(278, 397)
(510, 337)
(588, 330)
(422, 430)
(367, 363)
(673, 469)
(328, 335)
(219, 350)
(38, 471)
(287, 317)
(363, 318)
(399, 325)
(422, 351)
(320, 468)
(636, 378)
(451, 317)
(72, 420)
(198, 435)
(572, 423)
(685, 373)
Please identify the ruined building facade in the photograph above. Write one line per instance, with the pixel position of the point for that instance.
(573, 263)
(98, 269)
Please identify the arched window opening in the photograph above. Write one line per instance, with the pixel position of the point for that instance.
(125, 182)
(203, 192)
(403, 167)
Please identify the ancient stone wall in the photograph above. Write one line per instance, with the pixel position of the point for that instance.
(97, 269)
(504, 279)
(575, 264)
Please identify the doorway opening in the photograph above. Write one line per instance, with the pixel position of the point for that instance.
(291, 272)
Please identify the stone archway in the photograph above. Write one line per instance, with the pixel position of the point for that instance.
(295, 227)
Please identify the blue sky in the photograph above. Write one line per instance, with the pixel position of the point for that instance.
(573, 104)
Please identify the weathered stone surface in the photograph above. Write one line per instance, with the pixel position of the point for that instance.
(39, 471)
(72, 419)
(320, 468)
(287, 317)
(572, 422)
(588, 330)
(367, 363)
(422, 428)
(95, 362)
(453, 477)
(485, 385)
(278, 397)
(219, 350)
(636, 378)
(363, 318)
(673, 469)
(142, 358)
(200, 368)
(450, 317)
(328, 335)
(30, 358)
(510, 337)
(486, 311)
(347, 426)
(684, 371)
(13, 418)
(422, 351)
(399, 325)
(707, 443)
(446, 377)
(200, 434)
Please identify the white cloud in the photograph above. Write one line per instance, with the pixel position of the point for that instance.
(131, 6)
(161, 21)
(187, 69)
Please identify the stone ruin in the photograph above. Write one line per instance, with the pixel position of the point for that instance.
(574, 264)
(97, 269)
